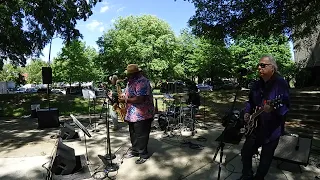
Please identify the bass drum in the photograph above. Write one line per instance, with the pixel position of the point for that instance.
(163, 122)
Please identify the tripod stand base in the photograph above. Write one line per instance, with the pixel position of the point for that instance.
(111, 167)
(107, 157)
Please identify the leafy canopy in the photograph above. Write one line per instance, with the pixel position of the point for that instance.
(144, 40)
(264, 18)
(28, 25)
(74, 63)
(34, 71)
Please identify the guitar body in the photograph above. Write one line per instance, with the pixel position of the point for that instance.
(253, 120)
(251, 124)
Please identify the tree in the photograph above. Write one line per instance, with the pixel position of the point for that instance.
(74, 63)
(28, 25)
(145, 40)
(9, 73)
(201, 57)
(230, 18)
(246, 52)
(12, 73)
(34, 71)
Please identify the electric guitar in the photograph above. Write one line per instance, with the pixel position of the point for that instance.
(253, 120)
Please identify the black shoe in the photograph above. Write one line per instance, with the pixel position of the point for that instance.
(130, 155)
(141, 160)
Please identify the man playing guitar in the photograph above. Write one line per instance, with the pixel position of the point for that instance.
(270, 123)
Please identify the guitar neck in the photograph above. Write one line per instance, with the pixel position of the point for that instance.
(256, 114)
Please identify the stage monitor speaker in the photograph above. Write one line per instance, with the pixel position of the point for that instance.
(46, 75)
(63, 160)
(293, 149)
(68, 132)
(48, 118)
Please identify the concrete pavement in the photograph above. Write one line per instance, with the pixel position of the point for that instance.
(24, 150)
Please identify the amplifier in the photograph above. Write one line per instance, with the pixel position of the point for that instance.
(48, 118)
(293, 149)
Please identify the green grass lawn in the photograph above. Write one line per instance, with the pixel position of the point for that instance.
(17, 105)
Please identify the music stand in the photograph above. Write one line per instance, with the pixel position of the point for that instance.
(84, 130)
(89, 94)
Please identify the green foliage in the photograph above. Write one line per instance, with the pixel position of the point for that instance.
(9, 73)
(246, 52)
(75, 63)
(28, 25)
(12, 73)
(34, 71)
(149, 42)
(218, 19)
(145, 40)
(201, 57)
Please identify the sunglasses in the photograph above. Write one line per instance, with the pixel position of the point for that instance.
(262, 65)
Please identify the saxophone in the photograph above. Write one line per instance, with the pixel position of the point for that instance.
(120, 108)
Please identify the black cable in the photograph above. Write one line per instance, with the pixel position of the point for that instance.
(46, 169)
(284, 174)
(231, 172)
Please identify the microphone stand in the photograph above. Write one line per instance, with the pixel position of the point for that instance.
(221, 143)
(110, 167)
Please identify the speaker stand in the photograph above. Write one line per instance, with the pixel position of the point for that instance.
(48, 96)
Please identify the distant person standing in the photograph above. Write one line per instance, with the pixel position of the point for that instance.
(140, 112)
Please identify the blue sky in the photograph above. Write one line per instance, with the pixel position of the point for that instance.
(176, 13)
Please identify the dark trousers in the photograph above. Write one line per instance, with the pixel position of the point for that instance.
(250, 148)
(139, 136)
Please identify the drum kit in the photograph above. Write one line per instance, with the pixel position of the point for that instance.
(178, 116)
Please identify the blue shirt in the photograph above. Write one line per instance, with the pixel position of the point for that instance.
(270, 125)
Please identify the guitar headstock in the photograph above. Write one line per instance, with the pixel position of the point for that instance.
(276, 102)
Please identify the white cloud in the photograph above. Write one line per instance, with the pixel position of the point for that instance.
(120, 9)
(113, 21)
(92, 26)
(101, 29)
(103, 9)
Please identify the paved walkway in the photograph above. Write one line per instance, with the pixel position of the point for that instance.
(24, 150)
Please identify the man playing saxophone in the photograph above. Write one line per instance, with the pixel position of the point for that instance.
(140, 111)
(114, 96)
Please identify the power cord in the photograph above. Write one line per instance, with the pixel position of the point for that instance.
(284, 174)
